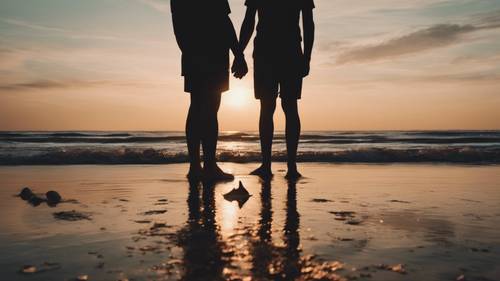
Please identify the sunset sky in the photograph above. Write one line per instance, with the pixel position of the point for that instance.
(377, 65)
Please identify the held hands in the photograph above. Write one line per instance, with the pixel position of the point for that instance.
(239, 68)
(306, 66)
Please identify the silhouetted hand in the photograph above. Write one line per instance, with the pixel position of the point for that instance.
(306, 67)
(239, 68)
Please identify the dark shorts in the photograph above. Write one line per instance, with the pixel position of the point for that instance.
(271, 82)
(216, 83)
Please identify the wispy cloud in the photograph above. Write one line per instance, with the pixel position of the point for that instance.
(61, 31)
(159, 5)
(30, 25)
(436, 36)
(65, 84)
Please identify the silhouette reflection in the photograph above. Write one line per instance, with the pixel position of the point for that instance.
(262, 247)
(291, 234)
(251, 251)
(271, 261)
(200, 239)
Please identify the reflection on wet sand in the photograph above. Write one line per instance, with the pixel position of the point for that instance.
(207, 257)
(383, 222)
(251, 251)
(200, 239)
(270, 261)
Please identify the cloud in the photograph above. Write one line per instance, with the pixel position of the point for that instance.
(65, 84)
(161, 6)
(65, 32)
(436, 36)
(30, 25)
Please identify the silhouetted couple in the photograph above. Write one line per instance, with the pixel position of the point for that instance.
(205, 34)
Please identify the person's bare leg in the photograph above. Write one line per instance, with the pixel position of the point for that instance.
(292, 132)
(210, 134)
(193, 139)
(266, 131)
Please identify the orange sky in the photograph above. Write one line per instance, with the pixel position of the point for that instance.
(389, 65)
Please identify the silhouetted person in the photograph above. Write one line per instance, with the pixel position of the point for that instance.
(205, 33)
(279, 66)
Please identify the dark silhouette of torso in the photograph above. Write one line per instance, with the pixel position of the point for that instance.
(200, 30)
(278, 28)
(278, 39)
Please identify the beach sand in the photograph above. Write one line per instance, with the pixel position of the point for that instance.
(146, 222)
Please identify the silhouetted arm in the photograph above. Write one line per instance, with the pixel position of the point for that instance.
(235, 48)
(247, 27)
(239, 67)
(180, 31)
(308, 25)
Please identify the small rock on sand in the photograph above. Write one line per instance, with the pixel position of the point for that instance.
(35, 200)
(26, 193)
(53, 197)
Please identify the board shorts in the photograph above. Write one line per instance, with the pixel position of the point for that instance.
(269, 84)
(211, 83)
(279, 75)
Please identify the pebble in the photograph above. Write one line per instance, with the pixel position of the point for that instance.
(53, 197)
(26, 193)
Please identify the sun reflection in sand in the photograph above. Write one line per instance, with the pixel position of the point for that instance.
(229, 218)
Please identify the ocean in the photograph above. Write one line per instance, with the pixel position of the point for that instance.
(87, 147)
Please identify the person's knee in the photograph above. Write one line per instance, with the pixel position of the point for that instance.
(268, 106)
(289, 106)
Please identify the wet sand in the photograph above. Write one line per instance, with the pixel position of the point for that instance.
(340, 222)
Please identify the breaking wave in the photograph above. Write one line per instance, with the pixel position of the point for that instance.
(470, 155)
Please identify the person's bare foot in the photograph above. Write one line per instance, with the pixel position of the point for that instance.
(215, 174)
(262, 172)
(292, 175)
(195, 173)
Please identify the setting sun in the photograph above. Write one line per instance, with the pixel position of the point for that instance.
(237, 97)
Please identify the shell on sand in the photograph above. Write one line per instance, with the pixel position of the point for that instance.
(239, 194)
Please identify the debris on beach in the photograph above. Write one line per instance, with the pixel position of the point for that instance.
(399, 201)
(26, 193)
(142, 221)
(35, 200)
(239, 195)
(82, 278)
(343, 215)
(399, 268)
(72, 216)
(353, 221)
(53, 197)
(321, 200)
(154, 212)
(28, 269)
(44, 267)
(159, 225)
